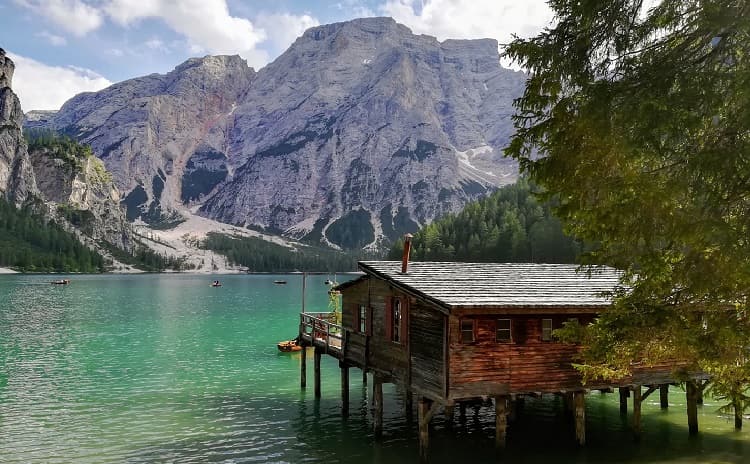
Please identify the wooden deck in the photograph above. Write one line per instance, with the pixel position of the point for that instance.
(321, 331)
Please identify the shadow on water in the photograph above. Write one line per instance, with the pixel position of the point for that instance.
(310, 430)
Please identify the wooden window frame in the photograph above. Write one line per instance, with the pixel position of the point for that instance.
(397, 317)
(461, 330)
(509, 330)
(362, 319)
(547, 331)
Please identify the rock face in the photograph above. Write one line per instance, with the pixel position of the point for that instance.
(81, 197)
(360, 131)
(17, 182)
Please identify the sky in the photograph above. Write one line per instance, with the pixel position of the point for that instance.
(64, 47)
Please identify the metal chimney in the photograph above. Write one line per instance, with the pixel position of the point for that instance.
(407, 249)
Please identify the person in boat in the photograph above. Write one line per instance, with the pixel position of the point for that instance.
(216, 283)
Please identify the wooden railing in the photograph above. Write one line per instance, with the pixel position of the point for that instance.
(321, 328)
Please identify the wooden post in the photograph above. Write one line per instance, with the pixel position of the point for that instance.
(364, 376)
(664, 396)
(462, 412)
(424, 412)
(624, 393)
(513, 410)
(501, 421)
(408, 403)
(637, 412)
(568, 402)
(344, 390)
(303, 368)
(579, 399)
(699, 394)
(736, 402)
(448, 411)
(691, 395)
(316, 369)
(377, 397)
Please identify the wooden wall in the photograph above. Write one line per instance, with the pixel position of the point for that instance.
(426, 343)
(526, 364)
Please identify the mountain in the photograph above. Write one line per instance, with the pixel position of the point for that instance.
(359, 132)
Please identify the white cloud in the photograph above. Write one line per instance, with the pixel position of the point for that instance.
(53, 39)
(74, 16)
(207, 24)
(471, 19)
(43, 87)
(283, 28)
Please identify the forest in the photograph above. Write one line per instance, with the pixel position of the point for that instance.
(29, 243)
(508, 226)
(259, 255)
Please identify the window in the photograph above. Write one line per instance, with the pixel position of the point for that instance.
(546, 330)
(362, 319)
(396, 321)
(467, 331)
(502, 333)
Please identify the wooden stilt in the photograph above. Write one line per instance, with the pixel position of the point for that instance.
(737, 404)
(448, 411)
(316, 369)
(579, 400)
(637, 412)
(377, 396)
(303, 368)
(513, 410)
(344, 390)
(568, 403)
(364, 377)
(501, 421)
(691, 395)
(664, 396)
(425, 415)
(624, 393)
(462, 412)
(408, 403)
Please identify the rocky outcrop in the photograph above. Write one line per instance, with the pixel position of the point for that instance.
(78, 193)
(17, 183)
(360, 131)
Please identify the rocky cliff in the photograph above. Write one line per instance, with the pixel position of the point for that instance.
(73, 189)
(17, 183)
(360, 131)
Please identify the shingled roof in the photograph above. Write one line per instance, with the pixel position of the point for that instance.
(484, 285)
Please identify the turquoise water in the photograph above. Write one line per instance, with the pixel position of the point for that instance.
(164, 368)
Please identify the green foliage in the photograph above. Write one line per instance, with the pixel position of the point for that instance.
(642, 120)
(28, 243)
(508, 226)
(145, 259)
(58, 147)
(259, 255)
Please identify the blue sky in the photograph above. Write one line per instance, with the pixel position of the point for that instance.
(63, 47)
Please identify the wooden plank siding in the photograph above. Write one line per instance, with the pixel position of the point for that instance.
(385, 356)
(426, 342)
(356, 342)
(526, 364)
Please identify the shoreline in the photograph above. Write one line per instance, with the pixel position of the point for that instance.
(5, 270)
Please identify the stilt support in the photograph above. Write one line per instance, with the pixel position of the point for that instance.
(316, 368)
(737, 403)
(364, 376)
(691, 395)
(664, 396)
(426, 409)
(344, 389)
(637, 400)
(408, 403)
(377, 397)
(303, 368)
(624, 394)
(501, 421)
(579, 400)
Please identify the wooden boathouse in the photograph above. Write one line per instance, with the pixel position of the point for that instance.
(451, 334)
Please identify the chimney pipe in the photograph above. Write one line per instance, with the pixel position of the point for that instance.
(407, 249)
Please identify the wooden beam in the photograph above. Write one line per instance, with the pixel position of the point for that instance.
(364, 376)
(624, 394)
(664, 396)
(448, 411)
(426, 408)
(637, 400)
(579, 399)
(377, 396)
(462, 412)
(650, 390)
(501, 421)
(691, 395)
(408, 404)
(303, 368)
(316, 369)
(344, 389)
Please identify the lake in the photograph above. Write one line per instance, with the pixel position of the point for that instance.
(164, 368)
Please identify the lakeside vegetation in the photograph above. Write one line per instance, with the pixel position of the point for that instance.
(29, 243)
(259, 255)
(510, 225)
